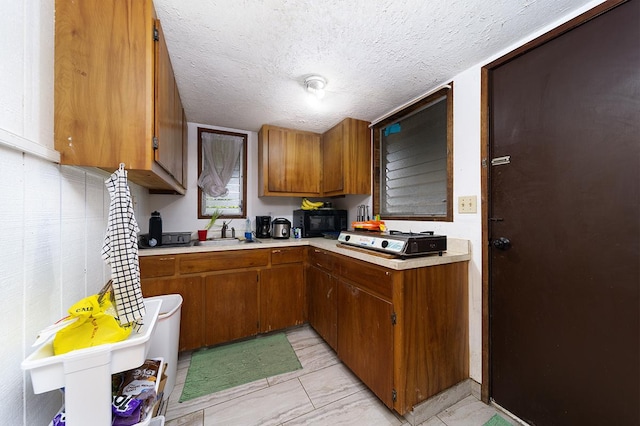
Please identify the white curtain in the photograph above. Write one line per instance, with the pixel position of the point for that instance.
(220, 155)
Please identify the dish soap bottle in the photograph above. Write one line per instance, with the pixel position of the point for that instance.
(247, 230)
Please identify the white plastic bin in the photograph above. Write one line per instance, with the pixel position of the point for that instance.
(166, 336)
(157, 421)
(86, 373)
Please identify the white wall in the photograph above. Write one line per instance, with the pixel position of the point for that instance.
(53, 223)
(52, 217)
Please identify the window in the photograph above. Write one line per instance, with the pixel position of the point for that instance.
(413, 149)
(222, 166)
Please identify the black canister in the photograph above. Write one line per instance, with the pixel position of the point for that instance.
(155, 230)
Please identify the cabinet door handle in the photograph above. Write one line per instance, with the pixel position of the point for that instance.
(275, 251)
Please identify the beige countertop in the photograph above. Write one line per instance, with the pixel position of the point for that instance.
(458, 250)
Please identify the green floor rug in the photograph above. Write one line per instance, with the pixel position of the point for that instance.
(224, 367)
(497, 420)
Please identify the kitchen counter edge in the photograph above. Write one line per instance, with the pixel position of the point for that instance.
(458, 250)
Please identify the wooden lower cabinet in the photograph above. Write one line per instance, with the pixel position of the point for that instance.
(282, 297)
(365, 338)
(404, 333)
(231, 309)
(433, 322)
(191, 312)
(322, 297)
(282, 290)
(230, 295)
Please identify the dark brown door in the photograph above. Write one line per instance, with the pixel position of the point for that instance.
(565, 226)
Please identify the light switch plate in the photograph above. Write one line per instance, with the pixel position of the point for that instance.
(468, 204)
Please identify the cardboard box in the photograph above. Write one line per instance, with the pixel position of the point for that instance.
(163, 381)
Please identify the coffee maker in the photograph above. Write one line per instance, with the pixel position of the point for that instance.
(263, 226)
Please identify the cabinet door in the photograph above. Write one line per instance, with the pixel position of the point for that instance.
(168, 111)
(290, 162)
(357, 170)
(282, 297)
(191, 318)
(333, 156)
(365, 338)
(104, 82)
(346, 158)
(231, 306)
(322, 304)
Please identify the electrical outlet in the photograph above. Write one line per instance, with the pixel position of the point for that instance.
(468, 204)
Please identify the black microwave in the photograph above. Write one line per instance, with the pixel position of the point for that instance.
(316, 223)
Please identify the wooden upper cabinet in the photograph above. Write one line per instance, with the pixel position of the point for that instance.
(289, 162)
(168, 120)
(109, 88)
(346, 152)
(297, 163)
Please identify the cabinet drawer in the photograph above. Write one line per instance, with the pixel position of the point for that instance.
(320, 258)
(287, 255)
(374, 278)
(157, 266)
(223, 260)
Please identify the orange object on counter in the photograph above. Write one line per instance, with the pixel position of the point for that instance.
(369, 225)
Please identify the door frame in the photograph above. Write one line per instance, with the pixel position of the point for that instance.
(485, 140)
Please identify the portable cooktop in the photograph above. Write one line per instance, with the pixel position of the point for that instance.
(401, 244)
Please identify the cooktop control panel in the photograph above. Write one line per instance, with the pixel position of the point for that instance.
(372, 241)
(396, 243)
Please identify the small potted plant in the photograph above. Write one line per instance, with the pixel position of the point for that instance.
(202, 234)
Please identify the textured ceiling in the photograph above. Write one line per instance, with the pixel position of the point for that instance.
(242, 63)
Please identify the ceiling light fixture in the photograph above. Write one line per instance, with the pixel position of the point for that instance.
(315, 85)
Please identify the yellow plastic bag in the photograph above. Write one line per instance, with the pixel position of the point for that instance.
(96, 325)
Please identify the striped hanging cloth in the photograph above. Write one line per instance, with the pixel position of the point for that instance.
(120, 250)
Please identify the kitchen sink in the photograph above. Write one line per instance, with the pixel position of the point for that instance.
(217, 242)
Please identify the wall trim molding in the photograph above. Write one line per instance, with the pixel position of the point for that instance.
(28, 146)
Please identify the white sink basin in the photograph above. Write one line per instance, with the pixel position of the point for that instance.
(218, 242)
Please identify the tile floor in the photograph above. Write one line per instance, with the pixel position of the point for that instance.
(323, 392)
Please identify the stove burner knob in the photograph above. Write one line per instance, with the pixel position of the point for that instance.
(384, 243)
(347, 237)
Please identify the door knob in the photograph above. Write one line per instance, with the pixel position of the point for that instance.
(501, 243)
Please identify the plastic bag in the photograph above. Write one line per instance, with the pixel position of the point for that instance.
(96, 325)
(135, 394)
